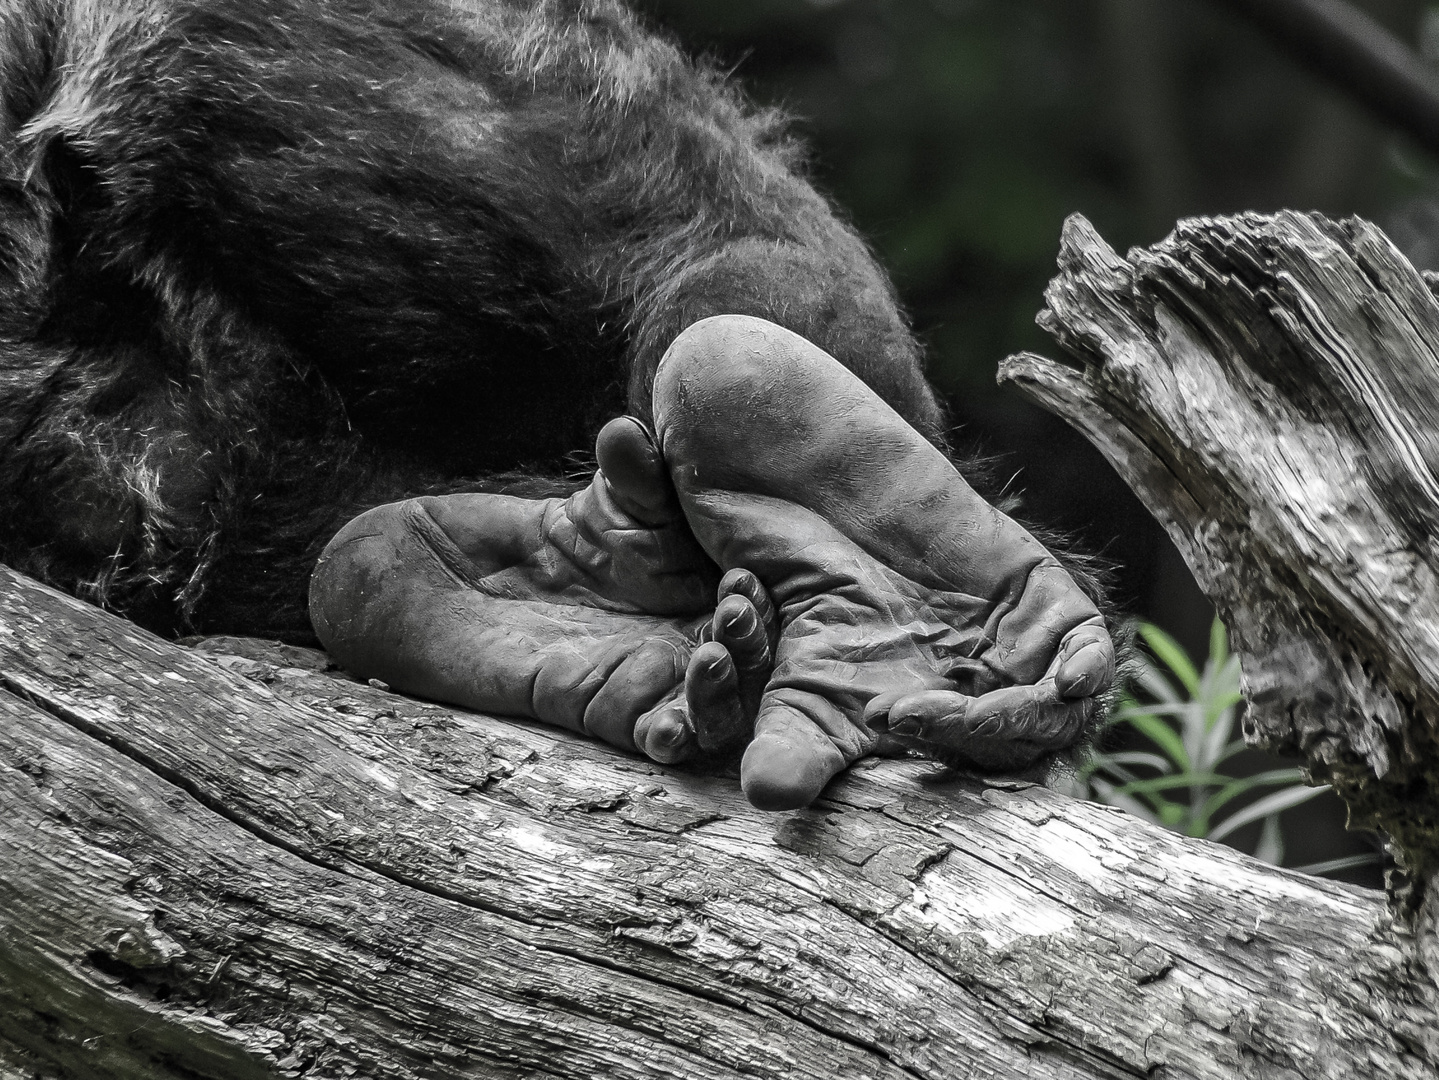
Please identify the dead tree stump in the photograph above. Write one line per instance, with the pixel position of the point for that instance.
(1269, 386)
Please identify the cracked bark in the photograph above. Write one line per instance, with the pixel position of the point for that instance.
(228, 867)
(1269, 386)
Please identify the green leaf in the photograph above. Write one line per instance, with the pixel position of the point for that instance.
(1346, 862)
(1220, 693)
(1216, 739)
(1152, 681)
(1138, 757)
(1127, 702)
(1190, 718)
(1238, 746)
(1177, 709)
(1169, 783)
(1229, 675)
(1218, 643)
(1235, 788)
(1172, 654)
(1111, 770)
(1262, 808)
(1270, 848)
(1171, 815)
(1162, 736)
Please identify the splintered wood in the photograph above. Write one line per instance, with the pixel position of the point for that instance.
(1269, 386)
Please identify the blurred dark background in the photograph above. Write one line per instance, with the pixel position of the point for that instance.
(958, 135)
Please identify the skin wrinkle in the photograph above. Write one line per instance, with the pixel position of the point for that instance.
(564, 543)
(432, 538)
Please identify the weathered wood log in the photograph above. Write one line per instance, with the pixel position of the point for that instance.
(1269, 386)
(226, 868)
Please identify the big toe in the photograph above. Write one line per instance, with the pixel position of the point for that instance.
(637, 477)
(788, 765)
(735, 381)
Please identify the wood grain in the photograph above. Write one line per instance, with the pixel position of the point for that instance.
(1269, 386)
(220, 866)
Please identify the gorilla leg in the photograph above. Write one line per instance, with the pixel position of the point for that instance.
(583, 612)
(911, 613)
(904, 599)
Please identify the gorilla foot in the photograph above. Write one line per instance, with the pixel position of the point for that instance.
(912, 613)
(585, 612)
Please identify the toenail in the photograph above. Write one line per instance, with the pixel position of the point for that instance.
(741, 621)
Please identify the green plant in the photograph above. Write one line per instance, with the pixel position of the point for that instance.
(1187, 718)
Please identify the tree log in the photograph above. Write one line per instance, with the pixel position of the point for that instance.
(1269, 386)
(222, 867)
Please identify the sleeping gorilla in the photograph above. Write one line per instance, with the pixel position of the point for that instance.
(269, 264)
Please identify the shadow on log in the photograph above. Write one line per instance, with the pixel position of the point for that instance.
(222, 867)
(1269, 386)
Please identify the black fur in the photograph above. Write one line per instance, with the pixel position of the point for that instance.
(264, 263)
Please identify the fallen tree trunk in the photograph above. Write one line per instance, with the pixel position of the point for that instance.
(230, 868)
(1269, 386)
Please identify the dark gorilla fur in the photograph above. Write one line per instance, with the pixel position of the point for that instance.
(266, 263)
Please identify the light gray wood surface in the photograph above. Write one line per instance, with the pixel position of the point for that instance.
(226, 867)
